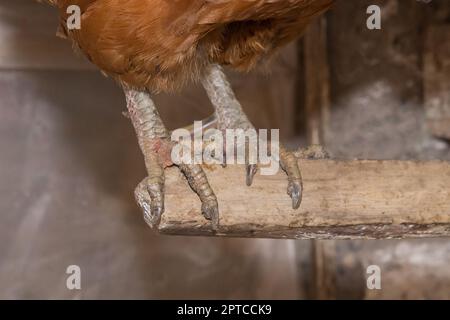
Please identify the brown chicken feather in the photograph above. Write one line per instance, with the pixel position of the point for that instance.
(161, 44)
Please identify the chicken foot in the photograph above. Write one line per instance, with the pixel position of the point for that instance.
(156, 147)
(230, 115)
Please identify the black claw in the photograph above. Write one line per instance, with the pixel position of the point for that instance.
(210, 211)
(251, 171)
(295, 192)
(152, 214)
(150, 198)
(156, 213)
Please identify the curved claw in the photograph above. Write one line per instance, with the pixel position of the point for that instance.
(294, 190)
(151, 202)
(251, 171)
(210, 211)
(199, 183)
(155, 217)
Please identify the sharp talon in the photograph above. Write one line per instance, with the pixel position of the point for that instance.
(210, 211)
(152, 215)
(143, 200)
(156, 213)
(251, 171)
(295, 192)
(198, 181)
(215, 221)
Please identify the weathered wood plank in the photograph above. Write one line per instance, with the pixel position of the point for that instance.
(342, 199)
(437, 80)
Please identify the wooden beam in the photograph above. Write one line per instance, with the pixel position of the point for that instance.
(342, 200)
(437, 80)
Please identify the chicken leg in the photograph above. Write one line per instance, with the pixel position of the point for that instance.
(230, 115)
(156, 147)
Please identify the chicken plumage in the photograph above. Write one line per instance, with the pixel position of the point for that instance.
(160, 44)
(150, 46)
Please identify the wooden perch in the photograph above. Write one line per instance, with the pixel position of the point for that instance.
(342, 200)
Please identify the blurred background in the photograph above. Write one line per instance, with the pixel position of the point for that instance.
(69, 161)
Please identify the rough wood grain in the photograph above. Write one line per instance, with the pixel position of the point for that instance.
(342, 199)
(437, 80)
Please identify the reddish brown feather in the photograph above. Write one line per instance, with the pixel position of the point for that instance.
(160, 44)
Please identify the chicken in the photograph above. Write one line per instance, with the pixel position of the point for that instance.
(152, 46)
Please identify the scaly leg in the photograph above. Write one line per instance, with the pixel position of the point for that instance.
(155, 145)
(230, 115)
